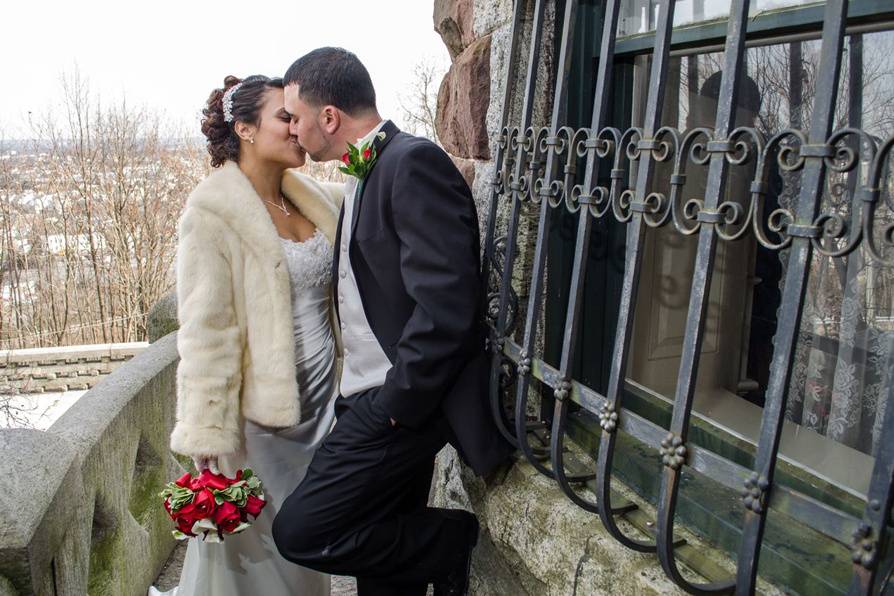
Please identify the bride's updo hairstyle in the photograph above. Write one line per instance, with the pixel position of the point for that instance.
(243, 104)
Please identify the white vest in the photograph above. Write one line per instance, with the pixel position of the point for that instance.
(365, 363)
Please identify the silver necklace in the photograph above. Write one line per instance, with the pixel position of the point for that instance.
(282, 204)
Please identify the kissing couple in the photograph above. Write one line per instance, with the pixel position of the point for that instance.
(331, 339)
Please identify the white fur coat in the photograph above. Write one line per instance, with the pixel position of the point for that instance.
(235, 340)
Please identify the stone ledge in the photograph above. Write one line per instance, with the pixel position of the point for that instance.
(536, 542)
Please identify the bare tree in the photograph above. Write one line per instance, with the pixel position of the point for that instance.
(326, 171)
(420, 102)
(89, 219)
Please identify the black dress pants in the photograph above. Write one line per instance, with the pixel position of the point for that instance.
(361, 509)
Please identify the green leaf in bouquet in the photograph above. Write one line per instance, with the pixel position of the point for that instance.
(237, 495)
(178, 497)
(254, 484)
(178, 535)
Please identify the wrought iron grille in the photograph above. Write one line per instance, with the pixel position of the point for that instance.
(538, 168)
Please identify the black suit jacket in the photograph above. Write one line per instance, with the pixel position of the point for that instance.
(415, 255)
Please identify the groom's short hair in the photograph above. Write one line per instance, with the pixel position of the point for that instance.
(333, 76)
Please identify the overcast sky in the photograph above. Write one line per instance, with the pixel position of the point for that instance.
(168, 55)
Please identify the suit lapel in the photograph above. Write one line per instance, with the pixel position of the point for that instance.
(380, 141)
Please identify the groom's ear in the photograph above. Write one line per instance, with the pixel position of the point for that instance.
(330, 119)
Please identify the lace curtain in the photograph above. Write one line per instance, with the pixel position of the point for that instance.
(840, 369)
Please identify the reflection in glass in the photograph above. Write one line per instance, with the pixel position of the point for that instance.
(848, 320)
(641, 16)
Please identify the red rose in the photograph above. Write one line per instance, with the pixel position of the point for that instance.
(185, 526)
(367, 153)
(204, 504)
(167, 504)
(254, 505)
(208, 480)
(184, 481)
(186, 516)
(346, 158)
(227, 517)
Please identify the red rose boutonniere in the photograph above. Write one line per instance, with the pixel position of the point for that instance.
(359, 160)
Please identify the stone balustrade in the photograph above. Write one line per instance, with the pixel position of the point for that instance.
(79, 509)
(65, 368)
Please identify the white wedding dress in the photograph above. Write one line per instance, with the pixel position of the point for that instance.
(248, 564)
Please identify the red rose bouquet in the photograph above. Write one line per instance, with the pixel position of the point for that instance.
(213, 504)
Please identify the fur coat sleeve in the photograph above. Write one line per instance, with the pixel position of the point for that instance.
(209, 375)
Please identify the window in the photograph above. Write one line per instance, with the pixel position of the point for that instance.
(711, 220)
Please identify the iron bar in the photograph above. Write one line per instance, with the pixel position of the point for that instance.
(498, 187)
(872, 533)
(598, 120)
(674, 445)
(793, 293)
(543, 188)
(635, 243)
(500, 332)
(833, 523)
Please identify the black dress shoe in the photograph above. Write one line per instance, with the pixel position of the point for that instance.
(457, 581)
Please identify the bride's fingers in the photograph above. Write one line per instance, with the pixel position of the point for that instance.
(212, 465)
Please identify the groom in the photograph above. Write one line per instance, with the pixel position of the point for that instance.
(408, 292)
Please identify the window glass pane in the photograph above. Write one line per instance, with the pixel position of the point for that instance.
(641, 16)
(838, 375)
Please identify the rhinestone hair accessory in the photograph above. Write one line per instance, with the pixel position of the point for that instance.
(228, 102)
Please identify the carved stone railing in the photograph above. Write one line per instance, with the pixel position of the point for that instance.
(79, 511)
(64, 368)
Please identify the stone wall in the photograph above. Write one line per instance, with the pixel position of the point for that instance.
(534, 541)
(478, 35)
(66, 368)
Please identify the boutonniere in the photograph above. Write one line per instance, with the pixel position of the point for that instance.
(359, 160)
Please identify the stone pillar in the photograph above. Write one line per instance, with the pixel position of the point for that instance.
(163, 317)
(464, 95)
(478, 35)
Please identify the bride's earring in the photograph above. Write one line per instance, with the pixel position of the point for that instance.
(251, 140)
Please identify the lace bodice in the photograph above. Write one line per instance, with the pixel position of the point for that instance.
(309, 262)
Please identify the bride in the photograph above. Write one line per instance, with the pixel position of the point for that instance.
(257, 373)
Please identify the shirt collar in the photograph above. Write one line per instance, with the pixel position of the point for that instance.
(369, 136)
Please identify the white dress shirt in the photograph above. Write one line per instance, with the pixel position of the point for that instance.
(365, 363)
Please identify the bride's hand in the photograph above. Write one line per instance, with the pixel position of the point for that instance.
(206, 462)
